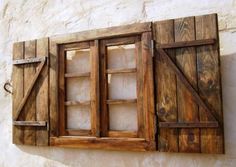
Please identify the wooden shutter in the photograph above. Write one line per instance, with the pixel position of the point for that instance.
(30, 92)
(188, 87)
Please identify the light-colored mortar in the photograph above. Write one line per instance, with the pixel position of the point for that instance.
(29, 19)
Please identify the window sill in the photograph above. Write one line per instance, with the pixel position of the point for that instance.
(107, 143)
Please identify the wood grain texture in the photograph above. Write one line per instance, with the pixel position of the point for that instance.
(131, 144)
(53, 87)
(208, 62)
(139, 88)
(30, 123)
(62, 91)
(42, 111)
(148, 88)
(132, 29)
(165, 88)
(18, 91)
(28, 91)
(95, 90)
(184, 44)
(29, 110)
(128, 134)
(187, 108)
(104, 121)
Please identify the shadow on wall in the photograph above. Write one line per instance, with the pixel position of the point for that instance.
(84, 157)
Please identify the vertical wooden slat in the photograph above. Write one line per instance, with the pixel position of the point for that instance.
(18, 90)
(94, 94)
(53, 95)
(148, 88)
(139, 75)
(209, 81)
(187, 108)
(29, 112)
(62, 94)
(42, 95)
(103, 87)
(165, 84)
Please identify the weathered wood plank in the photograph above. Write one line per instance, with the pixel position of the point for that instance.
(30, 123)
(189, 125)
(128, 134)
(104, 87)
(131, 144)
(187, 44)
(18, 90)
(165, 84)
(196, 97)
(75, 132)
(139, 88)
(148, 87)
(29, 60)
(136, 28)
(94, 89)
(212, 140)
(122, 41)
(62, 91)
(187, 108)
(53, 87)
(28, 91)
(29, 110)
(42, 94)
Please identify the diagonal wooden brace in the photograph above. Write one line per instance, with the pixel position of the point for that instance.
(22, 104)
(209, 110)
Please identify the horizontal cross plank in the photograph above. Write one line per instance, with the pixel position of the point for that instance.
(29, 90)
(71, 75)
(29, 60)
(73, 103)
(121, 101)
(118, 71)
(187, 44)
(30, 123)
(188, 125)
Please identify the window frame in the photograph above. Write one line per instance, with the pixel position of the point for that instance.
(121, 143)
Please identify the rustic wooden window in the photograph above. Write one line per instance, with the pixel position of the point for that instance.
(95, 72)
(145, 86)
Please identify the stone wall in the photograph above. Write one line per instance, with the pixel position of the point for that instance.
(30, 19)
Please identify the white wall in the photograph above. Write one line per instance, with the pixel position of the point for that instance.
(29, 19)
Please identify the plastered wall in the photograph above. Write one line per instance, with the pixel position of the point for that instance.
(30, 19)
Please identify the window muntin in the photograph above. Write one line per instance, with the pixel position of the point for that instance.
(119, 88)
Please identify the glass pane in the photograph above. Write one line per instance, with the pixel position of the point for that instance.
(122, 56)
(78, 89)
(78, 117)
(122, 86)
(123, 117)
(77, 61)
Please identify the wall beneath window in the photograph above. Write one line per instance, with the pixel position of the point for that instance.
(24, 20)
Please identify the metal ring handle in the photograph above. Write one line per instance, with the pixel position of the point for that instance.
(6, 87)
